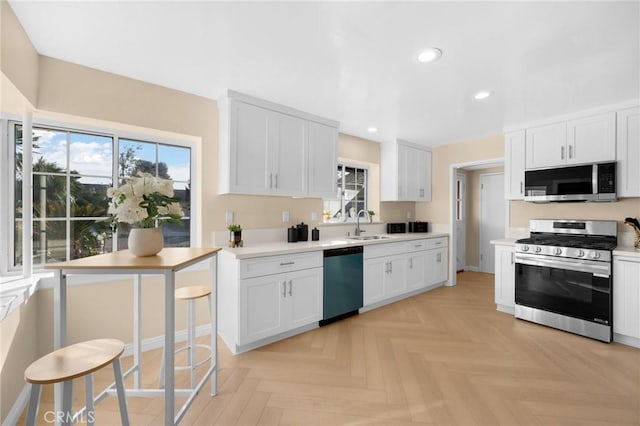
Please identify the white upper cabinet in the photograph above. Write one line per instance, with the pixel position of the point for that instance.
(584, 140)
(265, 148)
(514, 149)
(322, 160)
(405, 172)
(592, 139)
(628, 153)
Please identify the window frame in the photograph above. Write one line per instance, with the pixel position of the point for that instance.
(7, 170)
(340, 166)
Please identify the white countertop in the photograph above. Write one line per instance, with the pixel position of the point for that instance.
(276, 248)
(504, 242)
(628, 251)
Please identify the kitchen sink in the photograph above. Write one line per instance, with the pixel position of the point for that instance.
(370, 237)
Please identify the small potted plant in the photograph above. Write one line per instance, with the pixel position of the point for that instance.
(235, 235)
(326, 215)
(371, 215)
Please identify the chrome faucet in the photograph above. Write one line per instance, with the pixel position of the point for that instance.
(358, 230)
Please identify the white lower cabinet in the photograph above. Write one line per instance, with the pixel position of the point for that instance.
(505, 279)
(394, 269)
(278, 303)
(626, 299)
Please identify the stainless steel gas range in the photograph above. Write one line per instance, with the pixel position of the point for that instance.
(563, 276)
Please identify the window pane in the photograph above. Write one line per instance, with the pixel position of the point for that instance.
(89, 196)
(89, 237)
(17, 242)
(90, 154)
(49, 241)
(176, 235)
(182, 192)
(123, 236)
(177, 160)
(135, 156)
(49, 151)
(49, 196)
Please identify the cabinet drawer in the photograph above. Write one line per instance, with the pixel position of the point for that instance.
(437, 242)
(417, 245)
(384, 249)
(277, 264)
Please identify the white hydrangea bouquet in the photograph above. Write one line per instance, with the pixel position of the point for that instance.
(143, 201)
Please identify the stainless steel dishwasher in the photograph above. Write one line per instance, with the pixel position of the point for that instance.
(342, 295)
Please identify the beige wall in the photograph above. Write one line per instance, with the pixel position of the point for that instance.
(522, 212)
(18, 57)
(438, 210)
(472, 224)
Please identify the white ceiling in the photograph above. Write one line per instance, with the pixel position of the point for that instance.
(355, 61)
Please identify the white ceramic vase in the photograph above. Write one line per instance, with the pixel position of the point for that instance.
(145, 241)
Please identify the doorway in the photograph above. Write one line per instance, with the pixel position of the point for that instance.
(492, 217)
(472, 239)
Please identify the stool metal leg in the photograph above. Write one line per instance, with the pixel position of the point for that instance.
(214, 342)
(34, 404)
(161, 379)
(88, 395)
(67, 400)
(191, 339)
(122, 396)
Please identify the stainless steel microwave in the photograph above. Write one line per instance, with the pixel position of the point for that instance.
(587, 182)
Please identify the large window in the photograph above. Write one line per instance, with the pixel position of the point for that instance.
(351, 195)
(71, 172)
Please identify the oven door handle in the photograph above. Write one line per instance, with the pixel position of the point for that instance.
(601, 269)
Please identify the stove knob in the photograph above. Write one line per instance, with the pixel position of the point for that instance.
(595, 255)
(538, 249)
(557, 250)
(580, 253)
(525, 248)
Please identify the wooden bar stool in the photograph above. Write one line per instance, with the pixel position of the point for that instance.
(71, 362)
(190, 294)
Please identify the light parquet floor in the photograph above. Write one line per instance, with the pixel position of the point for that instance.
(445, 357)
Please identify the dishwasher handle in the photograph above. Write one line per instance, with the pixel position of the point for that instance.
(343, 251)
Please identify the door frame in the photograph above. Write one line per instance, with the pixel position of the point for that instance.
(480, 239)
(453, 170)
(463, 178)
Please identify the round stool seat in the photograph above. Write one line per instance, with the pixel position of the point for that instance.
(74, 361)
(192, 292)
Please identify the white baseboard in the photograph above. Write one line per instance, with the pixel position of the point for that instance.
(18, 406)
(147, 344)
(472, 268)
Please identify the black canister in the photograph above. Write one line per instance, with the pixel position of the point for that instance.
(292, 235)
(303, 232)
(315, 234)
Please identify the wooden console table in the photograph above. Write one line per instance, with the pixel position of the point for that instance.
(169, 261)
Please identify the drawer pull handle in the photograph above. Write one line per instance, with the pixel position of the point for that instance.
(418, 245)
(287, 263)
(438, 243)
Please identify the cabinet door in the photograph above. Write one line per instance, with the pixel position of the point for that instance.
(436, 266)
(591, 139)
(626, 297)
(628, 153)
(288, 152)
(304, 297)
(505, 276)
(262, 307)
(395, 281)
(407, 169)
(546, 146)
(514, 149)
(249, 132)
(375, 271)
(416, 270)
(424, 175)
(322, 160)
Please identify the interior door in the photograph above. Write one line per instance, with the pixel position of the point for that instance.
(492, 217)
(461, 190)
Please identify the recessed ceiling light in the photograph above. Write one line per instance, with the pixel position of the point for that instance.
(429, 55)
(372, 129)
(483, 94)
